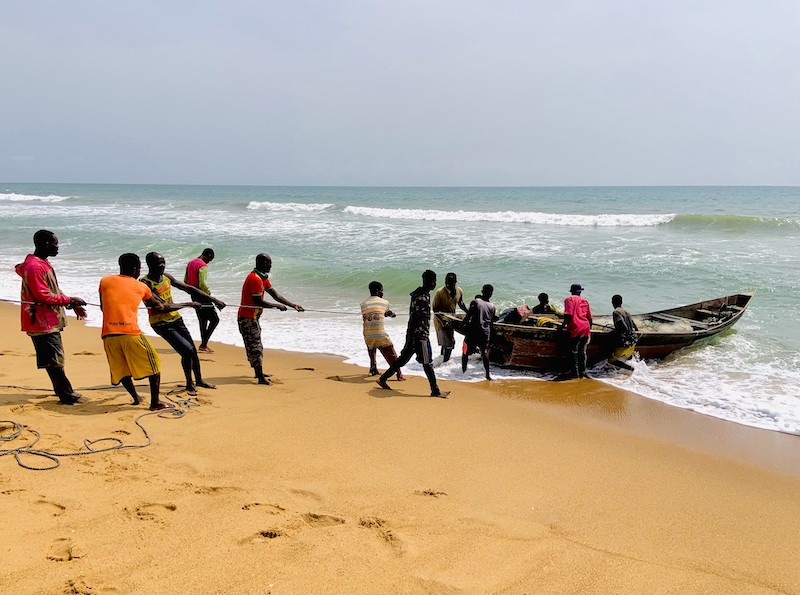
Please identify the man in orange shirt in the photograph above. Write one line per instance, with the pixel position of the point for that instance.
(251, 306)
(130, 355)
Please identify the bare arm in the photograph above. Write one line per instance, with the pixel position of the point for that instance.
(194, 291)
(279, 298)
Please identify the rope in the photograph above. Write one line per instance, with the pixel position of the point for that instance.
(11, 430)
(91, 446)
(211, 306)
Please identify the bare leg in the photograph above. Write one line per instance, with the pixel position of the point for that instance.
(198, 376)
(373, 363)
(127, 382)
(485, 358)
(262, 379)
(390, 356)
(155, 386)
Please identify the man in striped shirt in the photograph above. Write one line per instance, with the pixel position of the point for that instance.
(373, 310)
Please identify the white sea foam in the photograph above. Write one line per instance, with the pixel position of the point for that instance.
(567, 219)
(297, 207)
(14, 197)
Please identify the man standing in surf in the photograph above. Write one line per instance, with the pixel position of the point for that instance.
(446, 300)
(418, 336)
(250, 309)
(578, 322)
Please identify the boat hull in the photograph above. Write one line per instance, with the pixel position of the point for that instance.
(546, 348)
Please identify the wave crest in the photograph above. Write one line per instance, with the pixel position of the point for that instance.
(296, 207)
(604, 220)
(734, 222)
(14, 197)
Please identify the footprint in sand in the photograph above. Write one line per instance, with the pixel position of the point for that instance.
(322, 520)
(266, 507)
(64, 549)
(432, 493)
(53, 507)
(383, 531)
(152, 511)
(210, 489)
(84, 353)
(306, 494)
(7, 492)
(263, 536)
(123, 432)
(309, 369)
(78, 587)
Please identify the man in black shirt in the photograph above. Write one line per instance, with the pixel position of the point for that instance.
(418, 336)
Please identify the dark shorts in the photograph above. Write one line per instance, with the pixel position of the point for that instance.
(177, 335)
(475, 341)
(423, 351)
(207, 315)
(49, 350)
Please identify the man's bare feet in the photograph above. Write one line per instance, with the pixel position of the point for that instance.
(400, 378)
(382, 383)
(191, 391)
(205, 349)
(162, 406)
(265, 381)
(442, 394)
(206, 385)
(373, 372)
(137, 401)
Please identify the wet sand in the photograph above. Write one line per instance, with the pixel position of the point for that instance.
(323, 482)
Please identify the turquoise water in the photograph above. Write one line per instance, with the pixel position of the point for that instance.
(657, 246)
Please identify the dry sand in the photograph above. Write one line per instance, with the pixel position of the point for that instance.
(324, 483)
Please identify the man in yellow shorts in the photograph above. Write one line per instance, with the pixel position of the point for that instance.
(130, 355)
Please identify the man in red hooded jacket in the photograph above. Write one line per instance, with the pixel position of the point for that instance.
(42, 313)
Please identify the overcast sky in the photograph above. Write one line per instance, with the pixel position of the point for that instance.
(411, 92)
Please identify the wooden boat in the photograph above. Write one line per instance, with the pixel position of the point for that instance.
(538, 344)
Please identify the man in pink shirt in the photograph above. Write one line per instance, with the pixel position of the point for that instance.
(42, 313)
(578, 322)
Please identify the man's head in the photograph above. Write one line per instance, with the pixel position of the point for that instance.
(263, 263)
(155, 263)
(487, 291)
(46, 243)
(130, 265)
(376, 288)
(207, 255)
(616, 300)
(450, 280)
(544, 299)
(576, 289)
(428, 280)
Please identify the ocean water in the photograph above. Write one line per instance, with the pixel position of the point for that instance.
(658, 247)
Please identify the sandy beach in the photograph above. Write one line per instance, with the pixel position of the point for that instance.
(324, 483)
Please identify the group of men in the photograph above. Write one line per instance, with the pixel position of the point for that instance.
(130, 355)
(576, 322)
